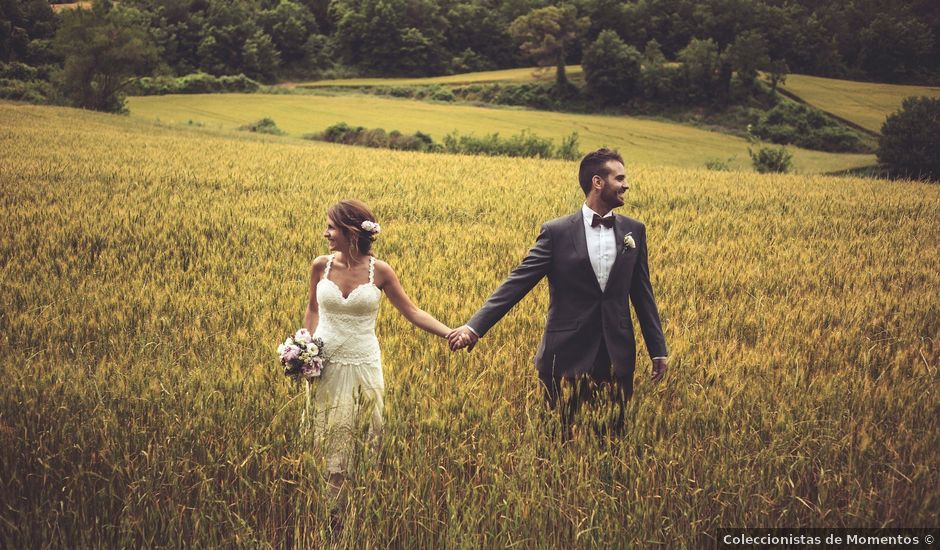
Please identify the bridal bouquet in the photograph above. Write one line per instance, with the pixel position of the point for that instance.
(302, 355)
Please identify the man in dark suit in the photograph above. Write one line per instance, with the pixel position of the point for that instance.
(596, 263)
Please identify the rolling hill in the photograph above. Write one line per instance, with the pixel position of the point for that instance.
(643, 141)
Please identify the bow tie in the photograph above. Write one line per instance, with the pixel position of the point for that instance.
(607, 221)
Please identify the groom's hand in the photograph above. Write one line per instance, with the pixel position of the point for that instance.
(462, 337)
(659, 368)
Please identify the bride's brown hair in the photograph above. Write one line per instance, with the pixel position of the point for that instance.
(348, 216)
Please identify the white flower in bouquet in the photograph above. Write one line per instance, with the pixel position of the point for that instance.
(303, 335)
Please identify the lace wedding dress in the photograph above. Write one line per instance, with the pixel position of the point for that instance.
(349, 395)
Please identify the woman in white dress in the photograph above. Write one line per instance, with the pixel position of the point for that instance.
(345, 289)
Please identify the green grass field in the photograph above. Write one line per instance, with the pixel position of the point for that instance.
(641, 141)
(864, 103)
(147, 273)
(525, 74)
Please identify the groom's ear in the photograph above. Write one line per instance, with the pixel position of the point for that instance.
(597, 182)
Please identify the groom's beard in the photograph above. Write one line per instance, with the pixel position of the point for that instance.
(612, 199)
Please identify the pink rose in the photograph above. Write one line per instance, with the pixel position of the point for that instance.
(311, 370)
(290, 353)
(303, 335)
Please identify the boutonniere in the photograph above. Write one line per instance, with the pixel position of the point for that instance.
(628, 242)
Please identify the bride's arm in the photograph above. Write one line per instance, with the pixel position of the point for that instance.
(312, 316)
(387, 281)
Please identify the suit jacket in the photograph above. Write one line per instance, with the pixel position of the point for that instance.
(580, 315)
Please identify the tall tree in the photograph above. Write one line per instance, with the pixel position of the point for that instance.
(390, 36)
(611, 68)
(700, 65)
(104, 49)
(25, 29)
(910, 139)
(289, 24)
(546, 34)
(747, 56)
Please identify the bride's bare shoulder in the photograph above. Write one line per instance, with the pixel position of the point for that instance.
(383, 272)
(319, 263)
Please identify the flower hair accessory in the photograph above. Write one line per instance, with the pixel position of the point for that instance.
(371, 227)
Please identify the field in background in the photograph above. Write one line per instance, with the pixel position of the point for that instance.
(524, 74)
(864, 103)
(148, 273)
(641, 141)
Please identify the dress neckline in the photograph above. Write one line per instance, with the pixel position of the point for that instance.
(351, 292)
(370, 282)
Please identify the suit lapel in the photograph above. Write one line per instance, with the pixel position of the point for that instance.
(579, 242)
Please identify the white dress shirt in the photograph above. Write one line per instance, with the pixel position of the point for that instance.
(601, 245)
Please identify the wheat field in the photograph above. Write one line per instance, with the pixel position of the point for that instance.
(148, 273)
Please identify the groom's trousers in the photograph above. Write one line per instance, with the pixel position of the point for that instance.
(600, 390)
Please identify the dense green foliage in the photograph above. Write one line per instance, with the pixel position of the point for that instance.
(196, 83)
(771, 160)
(375, 137)
(546, 34)
(264, 126)
(797, 124)
(611, 68)
(104, 49)
(22, 82)
(268, 39)
(910, 139)
(524, 144)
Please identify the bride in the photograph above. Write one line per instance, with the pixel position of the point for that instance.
(345, 289)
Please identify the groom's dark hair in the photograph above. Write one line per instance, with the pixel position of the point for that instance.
(595, 164)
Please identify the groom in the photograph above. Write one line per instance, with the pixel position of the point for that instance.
(596, 263)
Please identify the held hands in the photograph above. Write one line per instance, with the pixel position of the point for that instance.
(462, 337)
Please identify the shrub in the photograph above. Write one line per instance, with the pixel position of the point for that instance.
(195, 83)
(910, 139)
(525, 144)
(768, 159)
(401, 91)
(568, 150)
(18, 71)
(719, 165)
(32, 91)
(797, 124)
(442, 94)
(376, 137)
(22, 82)
(263, 126)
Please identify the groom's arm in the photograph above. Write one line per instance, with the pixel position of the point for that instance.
(523, 278)
(641, 294)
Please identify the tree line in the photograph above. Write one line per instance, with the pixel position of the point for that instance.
(267, 40)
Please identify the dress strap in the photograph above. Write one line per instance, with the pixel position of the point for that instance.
(371, 270)
(329, 264)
